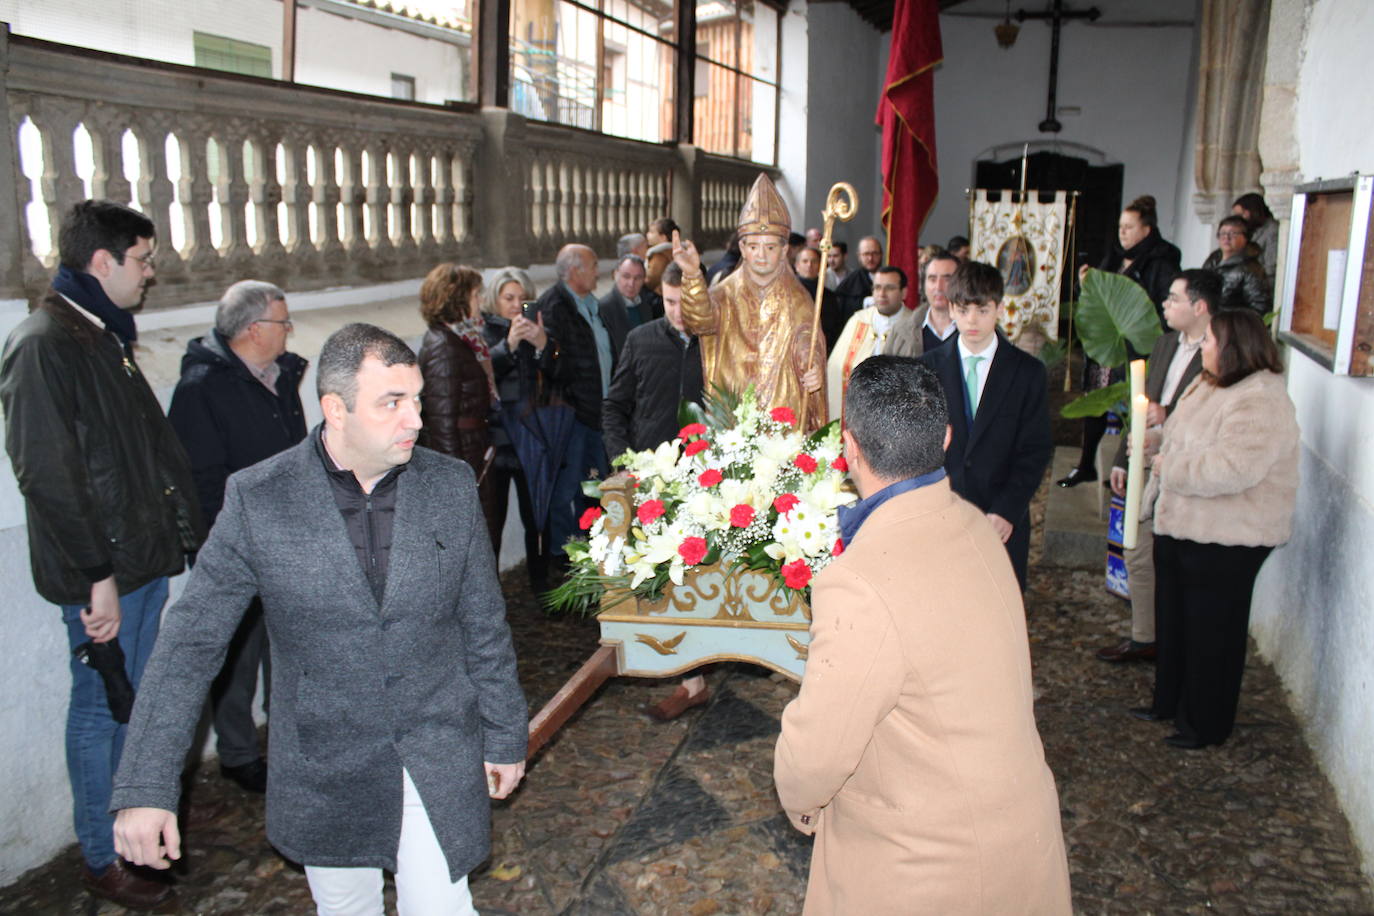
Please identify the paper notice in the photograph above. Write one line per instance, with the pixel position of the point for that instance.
(1335, 288)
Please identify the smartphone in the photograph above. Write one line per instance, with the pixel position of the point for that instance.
(529, 308)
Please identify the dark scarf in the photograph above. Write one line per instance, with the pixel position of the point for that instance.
(86, 291)
(1140, 250)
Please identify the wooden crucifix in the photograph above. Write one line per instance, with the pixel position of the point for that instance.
(1056, 14)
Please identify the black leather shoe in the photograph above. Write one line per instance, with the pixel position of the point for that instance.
(1147, 714)
(1178, 739)
(1128, 650)
(1077, 476)
(251, 777)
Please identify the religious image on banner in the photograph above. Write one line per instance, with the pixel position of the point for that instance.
(1026, 243)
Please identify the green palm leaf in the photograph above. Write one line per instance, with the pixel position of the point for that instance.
(1096, 403)
(1112, 311)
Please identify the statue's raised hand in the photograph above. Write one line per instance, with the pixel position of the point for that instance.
(686, 256)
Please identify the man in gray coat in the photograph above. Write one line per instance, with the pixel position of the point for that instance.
(396, 710)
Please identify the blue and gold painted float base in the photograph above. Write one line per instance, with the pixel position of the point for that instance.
(717, 614)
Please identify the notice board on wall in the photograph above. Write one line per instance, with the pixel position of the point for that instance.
(1328, 284)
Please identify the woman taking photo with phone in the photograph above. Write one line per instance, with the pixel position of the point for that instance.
(1224, 486)
(520, 353)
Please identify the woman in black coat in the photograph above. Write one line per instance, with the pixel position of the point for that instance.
(1142, 255)
(460, 390)
(520, 352)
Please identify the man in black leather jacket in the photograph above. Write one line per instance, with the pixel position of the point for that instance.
(108, 492)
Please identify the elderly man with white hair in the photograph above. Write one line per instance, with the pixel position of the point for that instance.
(237, 403)
(589, 339)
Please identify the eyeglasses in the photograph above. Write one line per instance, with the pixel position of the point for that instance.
(1230, 234)
(283, 321)
(144, 260)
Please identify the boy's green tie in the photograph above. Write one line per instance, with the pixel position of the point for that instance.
(971, 382)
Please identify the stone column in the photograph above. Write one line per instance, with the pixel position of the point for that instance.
(685, 189)
(16, 253)
(197, 193)
(1278, 138)
(106, 128)
(155, 189)
(503, 209)
(231, 186)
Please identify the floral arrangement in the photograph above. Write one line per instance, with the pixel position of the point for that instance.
(739, 485)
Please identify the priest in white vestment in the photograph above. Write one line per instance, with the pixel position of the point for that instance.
(885, 327)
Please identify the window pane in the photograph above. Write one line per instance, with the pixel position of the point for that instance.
(637, 86)
(717, 31)
(340, 44)
(759, 40)
(714, 108)
(345, 45)
(652, 16)
(758, 123)
(553, 62)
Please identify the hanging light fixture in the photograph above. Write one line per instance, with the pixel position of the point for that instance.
(1006, 30)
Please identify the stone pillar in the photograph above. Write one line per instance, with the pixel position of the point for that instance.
(1278, 138)
(503, 211)
(685, 208)
(14, 235)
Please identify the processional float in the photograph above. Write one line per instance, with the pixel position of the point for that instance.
(721, 611)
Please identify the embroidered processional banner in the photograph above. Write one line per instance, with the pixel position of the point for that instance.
(1026, 243)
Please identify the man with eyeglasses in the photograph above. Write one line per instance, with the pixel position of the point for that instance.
(108, 495)
(237, 403)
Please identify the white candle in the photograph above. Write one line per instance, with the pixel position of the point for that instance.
(1135, 464)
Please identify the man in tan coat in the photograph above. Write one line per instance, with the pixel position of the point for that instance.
(911, 752)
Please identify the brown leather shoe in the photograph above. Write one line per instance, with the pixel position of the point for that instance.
(678, 702)
(121, 884)
(1128, 651)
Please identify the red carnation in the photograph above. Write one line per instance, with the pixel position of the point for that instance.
(710, 477)
(742, 515)
(589, 518)
(649, 511)
(839, 464)
(692, 550)
(690, 430)
(696, 445)
(785, 503)
(805, 462)
(784, 415)
(838, 548)
(796, 574)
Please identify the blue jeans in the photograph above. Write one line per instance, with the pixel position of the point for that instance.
(94, 739)
(586, 454)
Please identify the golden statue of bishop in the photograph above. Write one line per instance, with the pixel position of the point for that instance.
(755, 325)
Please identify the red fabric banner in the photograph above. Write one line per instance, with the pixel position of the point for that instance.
(906, 114)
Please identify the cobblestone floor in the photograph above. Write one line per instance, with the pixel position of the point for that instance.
(621, 815)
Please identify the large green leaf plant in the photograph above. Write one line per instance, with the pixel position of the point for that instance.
(1111, 312)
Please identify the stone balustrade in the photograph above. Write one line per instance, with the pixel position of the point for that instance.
(311, 188)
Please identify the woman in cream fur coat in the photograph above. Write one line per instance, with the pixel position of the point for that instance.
(1224, 486)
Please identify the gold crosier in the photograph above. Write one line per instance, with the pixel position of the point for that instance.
(840, 204)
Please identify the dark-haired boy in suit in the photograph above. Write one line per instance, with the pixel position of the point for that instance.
(998, 410)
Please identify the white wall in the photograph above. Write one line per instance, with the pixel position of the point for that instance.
(832, 66)
(1132, 85)
(1313, 614)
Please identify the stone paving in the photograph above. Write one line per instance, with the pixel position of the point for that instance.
(621, 815)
